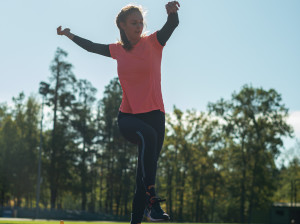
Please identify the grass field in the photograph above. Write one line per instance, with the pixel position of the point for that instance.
(49, 222)
(30, 221)
(55, 222)
(79, 222)
(72, 222)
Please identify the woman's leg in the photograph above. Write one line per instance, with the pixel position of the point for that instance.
(137, 131)
(153, 210)
(147, 130)
(157, 121)
(139, 199)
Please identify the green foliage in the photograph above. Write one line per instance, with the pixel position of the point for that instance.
(288, 178)
(116, 158)
(215, 166)
(254, 123)
(18, 144)
(188, 166)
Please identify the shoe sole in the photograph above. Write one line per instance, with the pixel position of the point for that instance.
(149, 219)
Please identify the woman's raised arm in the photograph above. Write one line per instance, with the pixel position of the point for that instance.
(102, 49)
(165, 33)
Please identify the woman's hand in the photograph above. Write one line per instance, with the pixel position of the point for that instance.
(172, 7)
(65, 32)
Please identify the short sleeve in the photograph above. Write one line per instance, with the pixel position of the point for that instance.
(113, 48)
(153, 39)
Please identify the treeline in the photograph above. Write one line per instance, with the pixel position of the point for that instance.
(217, 165)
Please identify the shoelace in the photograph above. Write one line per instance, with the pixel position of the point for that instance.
(156, 200)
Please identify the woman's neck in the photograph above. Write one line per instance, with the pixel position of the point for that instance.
(134, 41)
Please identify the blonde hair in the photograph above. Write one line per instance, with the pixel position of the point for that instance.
(121, 17)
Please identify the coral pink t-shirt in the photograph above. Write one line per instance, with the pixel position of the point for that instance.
(139, 72)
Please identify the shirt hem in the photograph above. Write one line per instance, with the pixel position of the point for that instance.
(142, 111)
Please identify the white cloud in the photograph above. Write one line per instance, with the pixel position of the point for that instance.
(294, 121)
(291, 147)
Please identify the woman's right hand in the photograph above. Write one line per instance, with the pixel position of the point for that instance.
(65, 32)
(172, 7)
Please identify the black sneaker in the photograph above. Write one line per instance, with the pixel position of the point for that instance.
(154, 212)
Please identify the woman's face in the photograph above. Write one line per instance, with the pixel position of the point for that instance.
(134, 25)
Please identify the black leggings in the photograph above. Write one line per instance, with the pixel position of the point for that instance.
(147, 130)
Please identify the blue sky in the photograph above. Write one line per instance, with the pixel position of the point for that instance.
(219, 46)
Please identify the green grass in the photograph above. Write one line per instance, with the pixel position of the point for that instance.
(65, 222)
(31, 221)
(71, 222)
(56, 222)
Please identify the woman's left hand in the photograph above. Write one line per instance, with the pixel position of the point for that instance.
(172, 7)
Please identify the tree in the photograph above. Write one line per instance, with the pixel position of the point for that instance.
(3, 182)
(187, 169)
(8, 139)
(116, 157)
(254, 124)
(27, 157)
(18, 144)
(288, 179)
(83, 123)
(60, 97)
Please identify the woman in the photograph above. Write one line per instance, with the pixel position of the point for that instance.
(141, 117)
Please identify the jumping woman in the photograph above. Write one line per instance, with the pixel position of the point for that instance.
(141, 117)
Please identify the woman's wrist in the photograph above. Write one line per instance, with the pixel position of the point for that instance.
(70, 36)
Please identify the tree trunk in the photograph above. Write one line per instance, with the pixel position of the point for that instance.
(53, 191)
(214, 198)
(83, 182)
(169, 190)
(101, 186)
(180, 215)
(197, 206)
(243, 181)
(53, 171)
